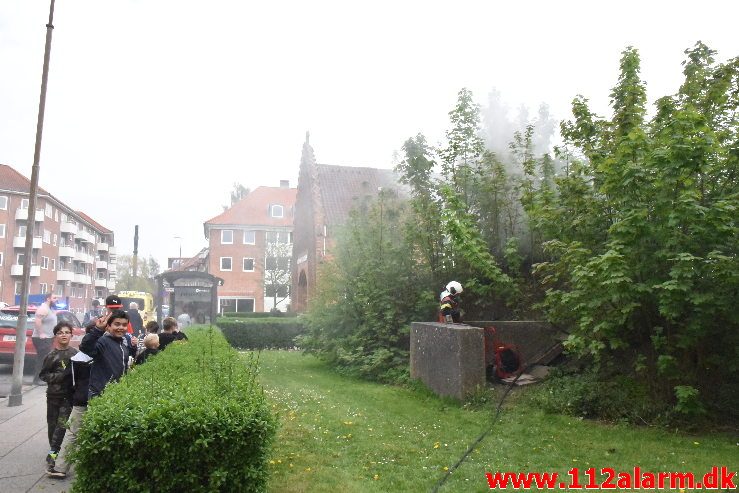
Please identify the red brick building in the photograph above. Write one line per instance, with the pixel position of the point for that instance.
(326, 195)
(73, 256)
(250, 247)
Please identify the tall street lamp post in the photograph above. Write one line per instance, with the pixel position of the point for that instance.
(16, 397)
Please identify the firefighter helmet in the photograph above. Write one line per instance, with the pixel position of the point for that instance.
(454, 287)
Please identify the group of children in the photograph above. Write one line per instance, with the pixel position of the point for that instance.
(106, 353)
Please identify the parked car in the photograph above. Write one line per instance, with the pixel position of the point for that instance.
(9, 322)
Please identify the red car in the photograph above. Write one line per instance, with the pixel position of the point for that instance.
(9, 322)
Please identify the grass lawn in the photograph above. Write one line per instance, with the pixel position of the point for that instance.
(347, 435)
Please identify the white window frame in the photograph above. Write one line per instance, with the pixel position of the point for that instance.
(253, 263)
(49, 210)
(17, 288)
(43, 287)
(253, 235)
(2, 230)
(24, 204)
(273, 210)
(47, 236)
(18, 258)
(45, 263)
(56, 215)
(54, 239)
(3, 202)
(223, 241)
(1, 258)
(59, 289)
(53, 264)
(230, 260)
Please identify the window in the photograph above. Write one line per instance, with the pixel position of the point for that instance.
(277, 263)
(248, 264)
(276, 211)
(43, 287)
(1, 258)
(47, 236)
(49, 210)
(20, 258)
(64, 217)
(2, 231)
(249, 238)
(236, 305)
(226, 263)
(277, 237)
(54, 241)
(3, 203)
(227, 237)
(53, 264)
(24, 203)
(276, 289)
(17, 287)
(22, 231)
(45, 263)
(99, 294)
(56, 215)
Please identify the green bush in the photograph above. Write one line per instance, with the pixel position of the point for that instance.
(261, 333)
(617, 398)
(257, 314)
(192, 418)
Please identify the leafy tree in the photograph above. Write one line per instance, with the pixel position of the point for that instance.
(144, 281)
(277, 271)
(643, 237)
(238, 192)
(359, 320)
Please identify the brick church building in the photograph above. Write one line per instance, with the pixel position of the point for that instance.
(326, 195)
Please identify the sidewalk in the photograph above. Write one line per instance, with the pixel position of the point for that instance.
(23, 446)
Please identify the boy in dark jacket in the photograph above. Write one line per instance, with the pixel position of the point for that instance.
(56, 371)
(109, 349)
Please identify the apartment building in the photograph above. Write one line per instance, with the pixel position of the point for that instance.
(73, 256)
(250, 247)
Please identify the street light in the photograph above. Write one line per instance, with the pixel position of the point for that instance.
(179, 238)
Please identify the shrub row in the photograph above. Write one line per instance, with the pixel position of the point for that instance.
(192, 418)
(261, 333)
(257, 314)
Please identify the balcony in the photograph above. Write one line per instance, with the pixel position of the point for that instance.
(111, 285)
(111, 250)
(66, 251)
(101, 264)
(64, 275)
(82, 279)
(67, 227)
(20, 242)
(83, 257)
(103, 247)
(17, 270)
(22, 215)
(85, 236)
(101, 283)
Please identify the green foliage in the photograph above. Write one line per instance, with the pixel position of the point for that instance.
(641, 234)
(589, 395)
(147, 269)
(256, 314)
(193, 418)
(260, 332)
(366, 299)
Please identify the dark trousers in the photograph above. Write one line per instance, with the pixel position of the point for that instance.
(43, 347)
(57, 414)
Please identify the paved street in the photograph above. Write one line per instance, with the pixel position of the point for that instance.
(23, 440)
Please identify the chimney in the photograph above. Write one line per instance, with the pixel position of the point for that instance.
(284, 183)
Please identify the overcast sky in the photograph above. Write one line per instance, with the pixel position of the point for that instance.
(156, 107)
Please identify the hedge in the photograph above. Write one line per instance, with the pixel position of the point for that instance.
(257, 314)
(261, 333)
(192, 418)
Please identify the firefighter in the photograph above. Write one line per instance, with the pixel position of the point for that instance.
(449, 307)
